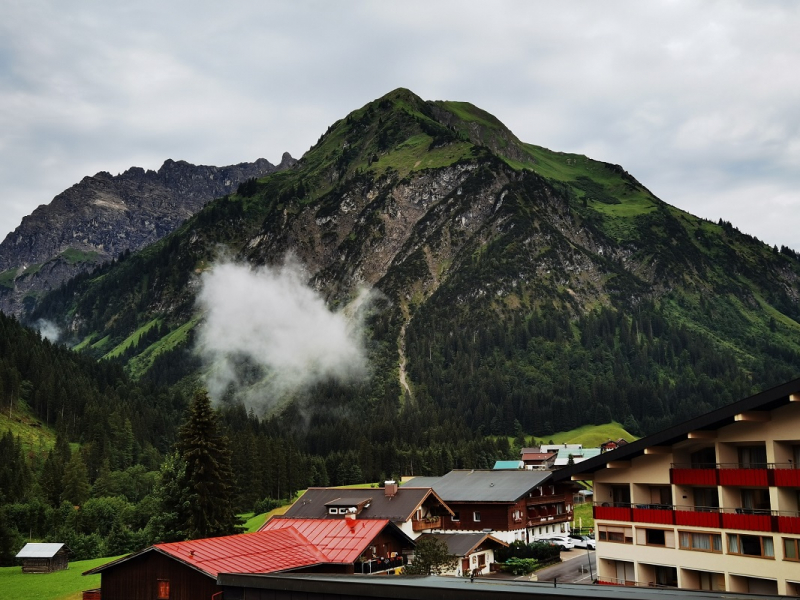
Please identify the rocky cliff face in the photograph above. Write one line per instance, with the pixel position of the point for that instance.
(104, 215)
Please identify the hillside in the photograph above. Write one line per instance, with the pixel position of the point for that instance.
(106, 215)
(516, 286)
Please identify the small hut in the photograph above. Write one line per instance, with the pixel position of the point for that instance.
(43, 558)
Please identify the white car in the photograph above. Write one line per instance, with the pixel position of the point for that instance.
(583, 541)
(564, 541)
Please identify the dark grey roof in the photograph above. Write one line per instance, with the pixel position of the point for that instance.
(438, 588)
(484, 486)
(462, 544)
(313, 504)
(767, 400)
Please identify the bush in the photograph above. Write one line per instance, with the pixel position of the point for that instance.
(520, 566)
(539, 551)
(266, 505)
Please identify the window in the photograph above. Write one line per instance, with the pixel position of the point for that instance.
(711, 581)
(163, 589)
(476, 516)
(620, 535)
(755, 500)
(705, 458)
(751, 545)
(454, 517)
(655, 537)
(333, 511)
(621, 495)
(753, 457)
(791, 549)
(702, 542)
(705, 499)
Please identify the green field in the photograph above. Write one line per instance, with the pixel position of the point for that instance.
(591, 436)
(582, 513)
(61, 585)
(34, 436)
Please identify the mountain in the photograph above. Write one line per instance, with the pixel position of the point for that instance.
(521, 289)
(102, 216)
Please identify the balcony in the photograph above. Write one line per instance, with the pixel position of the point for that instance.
(786, 475)
(698, 516)
(747, 476)
(426, 523)
(745, 519)
(686, 474)
(537, 501)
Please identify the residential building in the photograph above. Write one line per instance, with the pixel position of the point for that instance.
(413, 509)
(511, 504)
(475, 551)
(188, 570)
(712, 503)
(535, 458)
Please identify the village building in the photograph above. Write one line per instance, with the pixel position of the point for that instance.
(475, 551)
(510, 504)
(414, 510)
(43, 558)
(537, 459)
(188, 570)
(712, 503)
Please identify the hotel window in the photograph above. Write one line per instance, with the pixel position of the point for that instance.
(163, 589)
(791, 549)
(751, 545)
(753, 457)
(755, 500)
(620, 535)
(655, 537)
(702, 542)
(705, 499)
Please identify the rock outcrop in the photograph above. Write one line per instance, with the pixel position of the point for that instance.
(104, 215)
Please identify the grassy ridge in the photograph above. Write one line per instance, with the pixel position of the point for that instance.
(35, 437)
(61, 585)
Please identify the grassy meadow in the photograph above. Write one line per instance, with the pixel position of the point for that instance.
(61, 585)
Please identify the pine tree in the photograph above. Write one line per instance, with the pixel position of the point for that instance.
(76, 481)
(209, 477)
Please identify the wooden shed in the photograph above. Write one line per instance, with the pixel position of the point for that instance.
(43, 558)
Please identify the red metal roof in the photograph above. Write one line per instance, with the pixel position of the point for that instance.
(537, 455)
(261, 552)
(336, 538)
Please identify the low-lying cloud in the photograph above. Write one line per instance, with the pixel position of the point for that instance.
(48, 330)
(266, 334)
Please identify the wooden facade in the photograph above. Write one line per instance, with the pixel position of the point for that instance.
(49, 564)
(141, 577)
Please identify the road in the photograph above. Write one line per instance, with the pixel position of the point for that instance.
(574, 567)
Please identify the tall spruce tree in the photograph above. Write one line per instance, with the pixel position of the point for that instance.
(208, 479)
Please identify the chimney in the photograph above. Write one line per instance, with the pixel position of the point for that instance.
(390, 488)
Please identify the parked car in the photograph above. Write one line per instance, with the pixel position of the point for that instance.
(583, 541)
(563, 541)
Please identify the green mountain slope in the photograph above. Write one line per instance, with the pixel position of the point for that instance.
(520, 285)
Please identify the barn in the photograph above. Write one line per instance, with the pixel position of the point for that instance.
(43, 558)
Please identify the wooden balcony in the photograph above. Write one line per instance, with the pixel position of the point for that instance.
(426, 524)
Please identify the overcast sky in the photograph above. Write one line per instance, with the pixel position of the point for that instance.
(699, 100)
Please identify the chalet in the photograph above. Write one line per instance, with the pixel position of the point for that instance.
(475, 551)
(43, 558)
(512, 504)
(188, 570)
(535, 458)
(413, 509)
(353, 545)
(712, 503)
(612, 444)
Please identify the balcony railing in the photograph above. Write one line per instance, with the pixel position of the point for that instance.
(378, 565)
(747, 519)
(426, 523)
(628, 583)
(736, 474)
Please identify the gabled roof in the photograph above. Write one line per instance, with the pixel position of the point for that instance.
(711, 421)
(398, 508)
(538, 455)
(36, 550)
(508, 464)
(341, 540)
(268, 552)
(461, 544)
(484, 486)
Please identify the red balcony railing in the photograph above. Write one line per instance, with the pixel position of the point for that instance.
(748, 519)
(654, 513)
(787, 522)
(786, 476)
(692, 476)
(749, 477)
(698, 517)
(613, 513)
